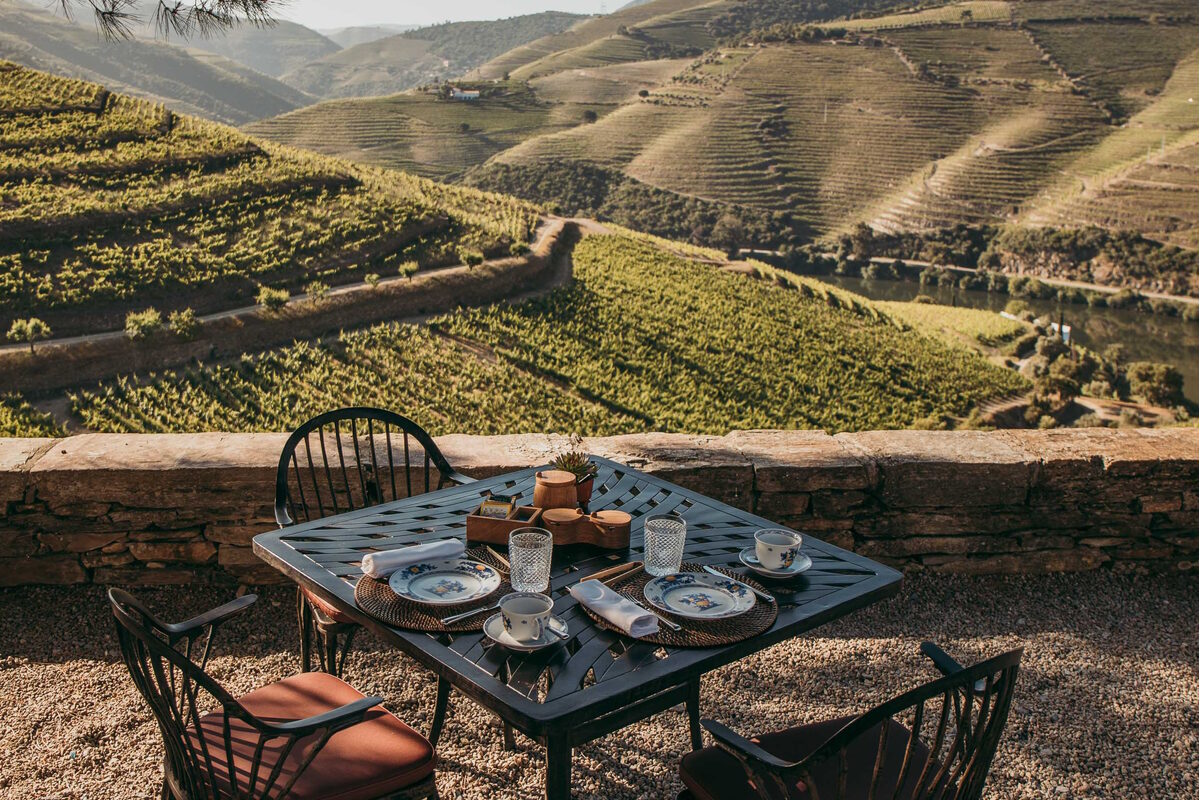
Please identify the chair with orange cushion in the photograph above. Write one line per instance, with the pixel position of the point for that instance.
(341, 461)
(308, 737)
(957, 719)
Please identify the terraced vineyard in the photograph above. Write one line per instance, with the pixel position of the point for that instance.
(618, 350)
(982, 112)
(112, 204)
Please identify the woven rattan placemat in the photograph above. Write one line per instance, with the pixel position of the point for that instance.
(376, 598)
(697, 633)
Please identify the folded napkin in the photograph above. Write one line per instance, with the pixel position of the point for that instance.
(380, 565)
(626, 615)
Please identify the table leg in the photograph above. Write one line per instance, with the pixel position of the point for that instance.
(558, 767)
(439, 710)
(693, 710)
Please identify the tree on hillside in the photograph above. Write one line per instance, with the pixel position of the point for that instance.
(28, 330)
(728, 233)
(118, 19)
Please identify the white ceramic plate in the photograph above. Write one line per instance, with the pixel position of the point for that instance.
(699, 595)
(750, 559)
(494, 630)
(445, 583)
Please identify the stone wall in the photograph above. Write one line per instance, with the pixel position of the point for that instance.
(157, 509)
(77, 361)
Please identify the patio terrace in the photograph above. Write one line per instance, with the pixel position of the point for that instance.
(1078, 545)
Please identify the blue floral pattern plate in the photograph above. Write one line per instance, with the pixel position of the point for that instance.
(445, 583)
(494, 630)
(750, 559)
(699, 595)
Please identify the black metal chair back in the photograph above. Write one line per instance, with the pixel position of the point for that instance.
(162, 660)
(352, 458)
(953, 730)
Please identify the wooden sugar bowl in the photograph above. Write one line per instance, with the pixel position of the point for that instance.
(608, 529)
(555, 488)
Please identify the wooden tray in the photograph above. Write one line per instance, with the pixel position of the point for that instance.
(495, 531)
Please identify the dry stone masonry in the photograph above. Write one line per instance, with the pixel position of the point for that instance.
(169, 509)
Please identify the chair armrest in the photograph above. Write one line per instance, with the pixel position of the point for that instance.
(459, 478)
(333, 720)
(741, 746)
(211, 618)
(945, 663)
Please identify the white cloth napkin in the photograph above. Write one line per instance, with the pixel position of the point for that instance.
(380, 565)
(628, 616)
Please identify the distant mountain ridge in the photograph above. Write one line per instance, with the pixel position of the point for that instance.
(189, 81)
(395, 63)
(361, 34)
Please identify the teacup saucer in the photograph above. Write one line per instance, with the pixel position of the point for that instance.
(750, 559)
(494, 630)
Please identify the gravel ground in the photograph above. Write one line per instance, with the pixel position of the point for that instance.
(1106, 704)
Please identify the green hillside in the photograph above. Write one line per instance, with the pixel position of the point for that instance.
(110, 204)
(803, 119)
(419, 132)
(643, 339)
(189, 81)
(426, 55)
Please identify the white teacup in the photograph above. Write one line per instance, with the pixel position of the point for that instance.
(776, 548)
(526, 615)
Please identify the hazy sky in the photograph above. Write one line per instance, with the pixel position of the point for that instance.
(342, 13)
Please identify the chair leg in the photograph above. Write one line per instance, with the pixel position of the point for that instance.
(510, 738)
(439, 710)
(305, 618)
(165, 792)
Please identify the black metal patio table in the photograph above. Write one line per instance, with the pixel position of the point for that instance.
(598, 681)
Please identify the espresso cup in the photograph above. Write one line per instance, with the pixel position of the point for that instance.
(776, 548)
(525, 615)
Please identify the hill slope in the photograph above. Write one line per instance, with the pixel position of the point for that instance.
(643, 339)
(191, 82)
(977, 113)
(111, 204)
(273, 50)
(425, 55)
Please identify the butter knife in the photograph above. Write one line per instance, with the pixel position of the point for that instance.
(759, 592)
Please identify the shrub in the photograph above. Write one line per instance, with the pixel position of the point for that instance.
(1089, 420)
(29, 331)
(371, 279)
(471, 258)
(924, 299)
(518, 248)
(1016, 307)
(1157, 384)
(184, 324)
(317, 292)
(1046, 421)
(643, 93)
(272, 299)
(408, 269)
(589, 116)
(1129, 419)
(141, 324)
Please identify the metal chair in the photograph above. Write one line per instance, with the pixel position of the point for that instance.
(341, 461)
(308, 736)
(943, 748)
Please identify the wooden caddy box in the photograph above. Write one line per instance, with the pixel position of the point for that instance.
(608, 529)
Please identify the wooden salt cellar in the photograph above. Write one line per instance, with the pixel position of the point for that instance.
(608, 529)
(555, 488)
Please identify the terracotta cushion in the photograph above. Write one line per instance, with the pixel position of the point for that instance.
(325, 608)
(713, 774)
(374, 758)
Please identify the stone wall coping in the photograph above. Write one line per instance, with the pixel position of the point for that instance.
(762, 449)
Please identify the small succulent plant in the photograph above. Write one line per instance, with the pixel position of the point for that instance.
(576, 461)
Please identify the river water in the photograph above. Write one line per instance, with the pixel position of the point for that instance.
(1145, 337)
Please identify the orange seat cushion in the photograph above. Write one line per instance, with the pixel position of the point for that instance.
(325, 608)
(714, 774)
(374, 758)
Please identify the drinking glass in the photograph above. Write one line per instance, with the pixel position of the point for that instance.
(529, 551)
(664, 538)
